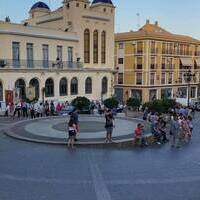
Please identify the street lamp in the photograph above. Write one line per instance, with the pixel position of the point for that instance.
(188, 77)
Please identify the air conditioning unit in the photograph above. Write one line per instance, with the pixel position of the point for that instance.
(2, 63)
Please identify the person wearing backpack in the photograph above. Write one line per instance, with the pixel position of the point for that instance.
(109, 125)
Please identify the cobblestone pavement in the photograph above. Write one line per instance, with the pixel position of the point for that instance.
(30, 171)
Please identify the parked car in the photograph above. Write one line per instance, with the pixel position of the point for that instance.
(67, 110)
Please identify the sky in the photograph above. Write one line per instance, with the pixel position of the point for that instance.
(176, 16)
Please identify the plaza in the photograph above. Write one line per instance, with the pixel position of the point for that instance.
(31, 171)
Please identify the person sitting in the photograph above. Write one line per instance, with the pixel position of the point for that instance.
(138, 135)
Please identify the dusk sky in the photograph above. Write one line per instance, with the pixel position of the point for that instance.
(177, 16)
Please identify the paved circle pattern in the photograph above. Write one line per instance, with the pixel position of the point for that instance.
(48, 127)
(85, 126)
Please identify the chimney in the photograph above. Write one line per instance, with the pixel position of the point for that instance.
(147, 21)
(156, 23)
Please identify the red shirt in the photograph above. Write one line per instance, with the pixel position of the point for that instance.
(138, 132)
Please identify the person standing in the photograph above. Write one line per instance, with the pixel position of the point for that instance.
(75, 117)
(174, 131)
(72, 132)
(109, 125)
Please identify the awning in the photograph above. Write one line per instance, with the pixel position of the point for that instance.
(198, 62)
(187, 62)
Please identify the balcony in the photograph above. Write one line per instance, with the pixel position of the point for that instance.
(39, 64)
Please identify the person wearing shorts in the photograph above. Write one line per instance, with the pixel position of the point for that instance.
(72, 132)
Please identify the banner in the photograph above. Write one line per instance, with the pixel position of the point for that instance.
(9, 96)
(30, 93)
(16, 98)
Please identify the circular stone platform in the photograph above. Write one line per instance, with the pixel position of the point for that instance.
(53, 130)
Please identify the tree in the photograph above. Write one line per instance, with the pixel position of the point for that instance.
(111, 103)
(81, 103)
(133, 103)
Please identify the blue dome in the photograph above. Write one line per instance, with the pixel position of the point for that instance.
(40, 4)
(102, 1)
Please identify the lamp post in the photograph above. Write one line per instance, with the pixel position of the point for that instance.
(188, 77)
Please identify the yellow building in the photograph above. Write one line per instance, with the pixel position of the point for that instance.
(59, 54)
(151, 63)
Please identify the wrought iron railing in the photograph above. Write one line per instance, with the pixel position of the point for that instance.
(39, 64)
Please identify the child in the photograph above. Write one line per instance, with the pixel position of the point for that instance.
(138, 135)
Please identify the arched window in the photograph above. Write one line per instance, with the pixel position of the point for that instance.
(88, 86)
(74, 86)
(49, 88)
(103, 47)
(1, 91)
(35, 83)
(20, 86)
(87, 46)
(63, 87)
(95, 47)
(104, 85)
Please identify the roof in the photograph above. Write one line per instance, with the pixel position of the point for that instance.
(102, 1)
(40, 4)
(154, 31)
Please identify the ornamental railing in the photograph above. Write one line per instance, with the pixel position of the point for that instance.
(39, 64)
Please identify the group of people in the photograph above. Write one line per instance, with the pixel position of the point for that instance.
(34, 109)
(175, 127)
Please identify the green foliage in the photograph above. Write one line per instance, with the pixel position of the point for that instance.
(160, 106)
(81, 103)
(133, 103)
(111, 103)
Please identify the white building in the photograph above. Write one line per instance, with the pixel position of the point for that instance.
(62, 54)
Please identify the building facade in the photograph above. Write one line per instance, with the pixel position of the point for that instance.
(60, 54)
(151, 63)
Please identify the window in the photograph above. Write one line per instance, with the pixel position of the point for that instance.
(120, 78)
(153, 60)
(137, 94)
(77, 4)
(16, 54)
(70, 54)
(180, 80)
(166, 93)
(170, 78)
(163, 78)
(63, 87)
(20, 85)
(74, 86)
(88, 86)
(1, 91)
(104, 10)
(164, 48)
(49, 88)
(35, 83)
(139, 47)
(95, 47)
(163, 63)
(103, 47)
(104, 85)
(121, 45)
(152, 78)
(193, 92)
(59, 53)
(139, 62)
(152, 95)
(29, 55)
(85, 6)
(153, 47)
(45, 52)
(182, 92)
(120, 61)
(87, 46)
(138, 78)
